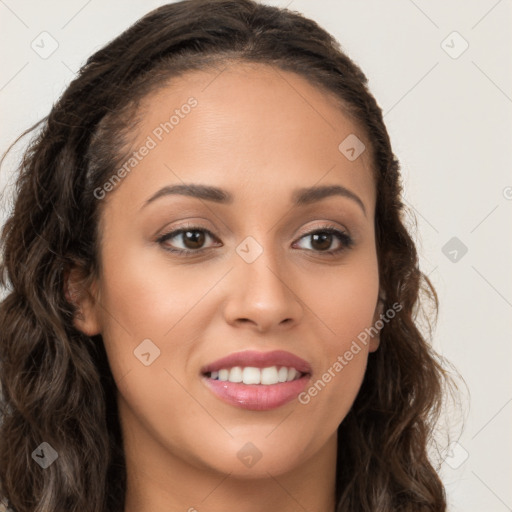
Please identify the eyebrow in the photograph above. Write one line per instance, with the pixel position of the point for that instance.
(300, 197)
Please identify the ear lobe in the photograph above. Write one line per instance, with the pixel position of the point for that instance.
(80, 291)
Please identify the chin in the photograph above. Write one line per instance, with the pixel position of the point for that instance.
(255, 457)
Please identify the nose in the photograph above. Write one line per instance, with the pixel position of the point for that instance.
(263, 295)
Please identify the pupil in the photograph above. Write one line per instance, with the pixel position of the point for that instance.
(324, 237)
(196, 238)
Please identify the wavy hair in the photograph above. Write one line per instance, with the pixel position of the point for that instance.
(56, 384)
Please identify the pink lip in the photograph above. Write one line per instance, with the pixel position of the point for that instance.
(258, 397)
(259, 360)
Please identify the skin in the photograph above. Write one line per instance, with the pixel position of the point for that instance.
(259, 133)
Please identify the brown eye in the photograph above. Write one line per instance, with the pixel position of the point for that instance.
(321, 240)
(192, 240)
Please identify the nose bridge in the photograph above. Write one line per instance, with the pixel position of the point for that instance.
(263, 292)
(261, 265)
(263, 274)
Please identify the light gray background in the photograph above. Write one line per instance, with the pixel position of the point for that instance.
(451, 127)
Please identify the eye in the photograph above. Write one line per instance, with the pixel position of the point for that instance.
(193, 239)
(321, 240)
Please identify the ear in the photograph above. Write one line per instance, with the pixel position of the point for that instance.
(81, 291)
(379, 310)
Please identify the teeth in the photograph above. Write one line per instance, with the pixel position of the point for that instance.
(269, 375)
(292, 373)
(235, 375)
(282, 374)
(251, 375)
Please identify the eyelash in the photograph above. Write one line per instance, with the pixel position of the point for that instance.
(344, 238)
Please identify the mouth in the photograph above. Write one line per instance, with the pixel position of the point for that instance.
(257, 380)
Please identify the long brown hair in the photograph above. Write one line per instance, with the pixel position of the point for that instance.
(56, 382)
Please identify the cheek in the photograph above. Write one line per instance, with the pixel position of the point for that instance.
(143, 308)
(146, 297)
(336, 383)
(347, 310)
(347, 304)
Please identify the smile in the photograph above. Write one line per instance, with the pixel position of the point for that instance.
(251, 375)
(257, 381)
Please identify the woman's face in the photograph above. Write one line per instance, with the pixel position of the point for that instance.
(253, 273)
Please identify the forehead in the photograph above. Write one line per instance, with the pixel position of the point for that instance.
(251, 126)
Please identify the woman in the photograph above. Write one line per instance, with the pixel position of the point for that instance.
(211, 292)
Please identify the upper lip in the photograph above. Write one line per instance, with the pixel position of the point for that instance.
(259, 360)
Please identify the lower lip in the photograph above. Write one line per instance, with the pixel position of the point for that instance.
(257, 397)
